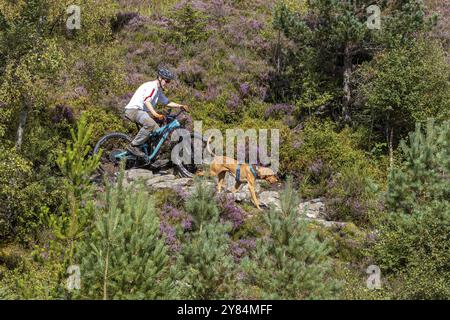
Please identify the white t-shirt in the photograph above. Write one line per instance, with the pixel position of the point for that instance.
(149, 91)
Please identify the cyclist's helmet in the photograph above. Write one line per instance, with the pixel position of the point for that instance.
(165, 73)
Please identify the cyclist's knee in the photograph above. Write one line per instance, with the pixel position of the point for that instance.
(150, 125)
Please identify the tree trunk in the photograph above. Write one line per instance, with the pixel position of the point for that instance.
(391, 149)
(347, 75)
(20, 129)
(278, 52)
(105, 276)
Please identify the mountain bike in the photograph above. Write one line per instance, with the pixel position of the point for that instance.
(157, 149)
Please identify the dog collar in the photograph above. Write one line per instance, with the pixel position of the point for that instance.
(253, 170)
(238, 171)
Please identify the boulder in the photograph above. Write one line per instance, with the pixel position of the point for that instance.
(241, 196)
(171, 184)
(314, 209)
(135, 174)
(159, 178)
(268, 198)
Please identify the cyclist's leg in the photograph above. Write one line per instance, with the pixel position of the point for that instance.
(148, 125)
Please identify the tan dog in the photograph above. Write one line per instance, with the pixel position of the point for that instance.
(220, 165)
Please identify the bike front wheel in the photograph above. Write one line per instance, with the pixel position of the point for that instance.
(184, 156)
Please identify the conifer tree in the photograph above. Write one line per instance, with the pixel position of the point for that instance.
(334, 35)
(413, 238)
(201, 205)
(290, 263)
(125, 257)
(205, 259)
(423, 176)
(77, 167)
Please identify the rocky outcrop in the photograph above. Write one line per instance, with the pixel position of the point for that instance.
(270, 198)
(135, 174)
(312, 210)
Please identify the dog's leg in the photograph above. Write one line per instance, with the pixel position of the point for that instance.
(251, 187)
(236, 186)
(221, 178)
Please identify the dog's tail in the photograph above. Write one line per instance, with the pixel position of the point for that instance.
(208, 147)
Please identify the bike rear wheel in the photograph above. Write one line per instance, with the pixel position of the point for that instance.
(114, 147)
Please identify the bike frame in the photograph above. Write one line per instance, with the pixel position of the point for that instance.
(163, 132)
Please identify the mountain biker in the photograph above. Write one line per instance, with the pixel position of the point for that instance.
(143, 102)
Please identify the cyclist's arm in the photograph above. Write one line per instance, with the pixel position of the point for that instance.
(176, 105)
(152, 110)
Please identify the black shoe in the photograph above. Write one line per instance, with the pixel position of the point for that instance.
(135, 151)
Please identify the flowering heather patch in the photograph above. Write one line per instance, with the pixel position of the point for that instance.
(219, 9)
(316, 167)
(181, 192)
(357, 206)
(196, 4)
(143, 50)
(134, 79)
(244, 89)
(256, 24)
(186, 223)
(190, 72)
(230, 212)
(123, 100)
(260, 45)
(170, 236)
(233, 102)
(262, 93)
(81, 91)
(211, 93)
(241, 248)
(171, 212)
(172, 51)
(239, 63)
(172, 218)
(162, 22)
(131, 19)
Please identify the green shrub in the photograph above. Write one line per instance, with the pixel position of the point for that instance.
(290, 263)
(412, 252)
(106, 121)
(412, 249)
(402, 86)
(28, 279)
(353, 195)
(100, 71)
(125, 256)
(423, 176)
(188, 25)
(22, 197)
(330, 163)
(204, 260)
(77, 168)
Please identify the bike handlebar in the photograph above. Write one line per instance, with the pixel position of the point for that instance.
(168, 115)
